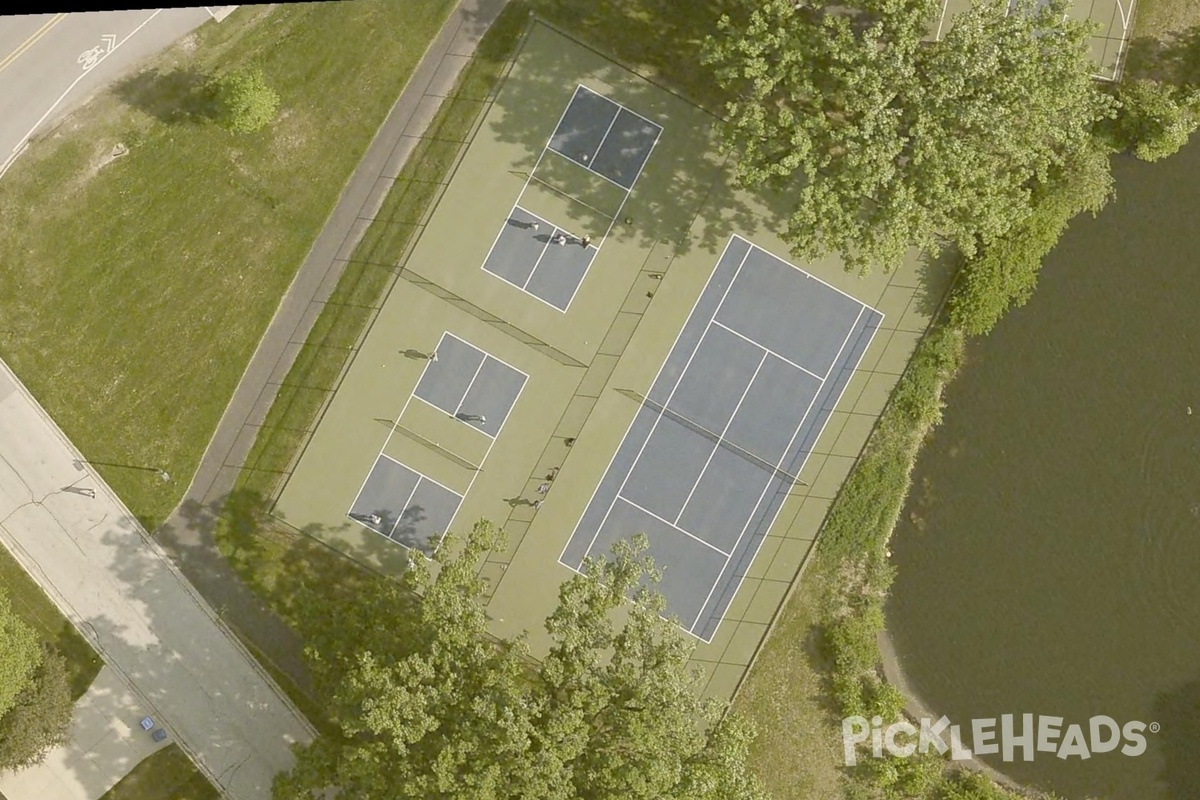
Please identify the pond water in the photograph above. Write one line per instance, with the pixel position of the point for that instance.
(1049, 553)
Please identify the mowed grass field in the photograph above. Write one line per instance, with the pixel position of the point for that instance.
(134, 293)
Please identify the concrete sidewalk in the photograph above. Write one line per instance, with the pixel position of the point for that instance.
(106, 743)
(187, 535)
(81, 544)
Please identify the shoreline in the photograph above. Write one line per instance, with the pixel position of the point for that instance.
(915, 710)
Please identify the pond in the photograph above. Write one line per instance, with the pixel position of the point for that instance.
(1049, 552)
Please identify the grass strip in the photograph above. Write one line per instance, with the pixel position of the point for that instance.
(167, 774)
(135, 291)
(36, 608)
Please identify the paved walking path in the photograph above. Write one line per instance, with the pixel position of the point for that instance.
(188, 534)
(106, 743)
(76, 538)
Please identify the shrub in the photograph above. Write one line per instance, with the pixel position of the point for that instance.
(1155, 118)
(244, 101)
(1003, 275)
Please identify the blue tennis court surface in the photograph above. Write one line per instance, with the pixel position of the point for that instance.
(470, 385)
(547, 258)
(604, 136)
(540, 258)
(405, 506)
(735, 411)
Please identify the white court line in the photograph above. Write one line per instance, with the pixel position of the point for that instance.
(467, 391)
(529, 178)
(621, 207)
(721, 436)
(392, 430)
(829, 371)
(778, 465)
(424, 476)
(538, 260)
(489, 355)
(607, 131)
(404, 507)
(572, 197)
(524, 382)
(586, 166)
(542, 300)
(650, 513)
(762, 346)
(806, 274)
(20, 148)
(667, 404)
(629, 427)
(620, 105)
(942, 21)
(441, 410)
(583, 277)
(482, 462)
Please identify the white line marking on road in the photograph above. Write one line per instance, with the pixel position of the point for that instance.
(20, 148)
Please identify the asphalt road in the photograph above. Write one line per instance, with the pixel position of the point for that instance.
(52, 63)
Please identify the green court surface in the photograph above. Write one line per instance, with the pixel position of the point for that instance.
(1114, 20)
(658, 245)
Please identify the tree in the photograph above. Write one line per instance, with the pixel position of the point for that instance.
(1155, 120)
(20, 655)
(1003, 275)
(438, 708)
(41, 717)
(895, 141)
(245, 103)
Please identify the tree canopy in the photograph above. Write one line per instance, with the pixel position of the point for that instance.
(40, 719)
(20, 655)
(430, 705)
(895, 140)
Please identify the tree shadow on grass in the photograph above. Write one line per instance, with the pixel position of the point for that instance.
(1173, 58)
(181, 95)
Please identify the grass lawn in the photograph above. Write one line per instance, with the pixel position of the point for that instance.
(32, 604)
(797, 753)
(133, 294)
(1160, 18)
(167, 775)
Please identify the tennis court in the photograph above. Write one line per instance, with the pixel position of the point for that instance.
(474, 388)
(727, 425)
(1107, 45)
(572, 198)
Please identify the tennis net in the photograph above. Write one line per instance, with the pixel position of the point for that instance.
(714, 437)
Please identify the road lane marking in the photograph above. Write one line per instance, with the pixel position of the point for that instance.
(31, 41)
(20, 148)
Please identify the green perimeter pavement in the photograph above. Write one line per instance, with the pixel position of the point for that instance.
(621, 325)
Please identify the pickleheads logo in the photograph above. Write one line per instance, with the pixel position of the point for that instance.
(1046, 735)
